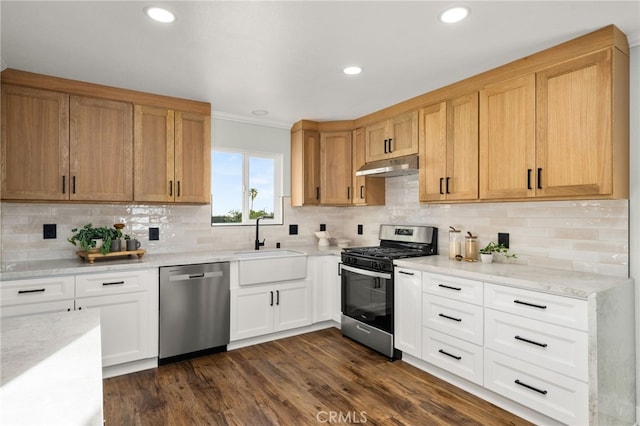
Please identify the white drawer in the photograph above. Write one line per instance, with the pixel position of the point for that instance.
(461, 320)
(550, 308)
(116, 282)
(561, 349)
(36, 290)
(559, 397)
(454, 355)
(453, 287)
(37, 308)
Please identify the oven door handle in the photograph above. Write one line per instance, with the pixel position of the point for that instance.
(366, 272)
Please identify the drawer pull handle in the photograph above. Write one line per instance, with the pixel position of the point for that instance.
(406, 273)
(448, 354)
(520, 302)
(450, 287)
(518, 382)
(114, 283)
(451, 318)
(542, 345)
(38, 290)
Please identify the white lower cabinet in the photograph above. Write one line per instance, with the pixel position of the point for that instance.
(128, 304)
(263, 309)
(566, 358)
(326, 288)
(407, 335)
(555, 395)
(454, 355)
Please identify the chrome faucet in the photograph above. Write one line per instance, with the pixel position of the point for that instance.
(258, 244)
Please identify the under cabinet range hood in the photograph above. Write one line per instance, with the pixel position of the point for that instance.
(400, 166)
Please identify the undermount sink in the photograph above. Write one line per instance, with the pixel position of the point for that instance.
(267, 266)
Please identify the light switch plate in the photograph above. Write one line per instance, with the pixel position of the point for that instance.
(49, 231)
(154, 234)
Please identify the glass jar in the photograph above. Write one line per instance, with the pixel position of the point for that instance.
(471, 247)
(455, 243)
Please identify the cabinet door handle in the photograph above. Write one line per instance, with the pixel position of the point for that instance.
(73, 185)
(390, 150)
(271, 303)
(447, 185)
(451, 355)
(362, 191)
(518, 382)
(348, 192)
(451, 318)
(533, 305)
(277, 297)
(385, 146)
(533, 342)
(38, 290)
(441, 180)
(406, 273)
(539, 177)
(170, 188)
(450, 287)
(178, 189)
(64, 184)
(317, 192)
(529, 179)
(114, 283)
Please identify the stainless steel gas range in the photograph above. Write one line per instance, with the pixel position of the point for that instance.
(368, 285)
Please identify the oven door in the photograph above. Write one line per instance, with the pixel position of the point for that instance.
(367, 296)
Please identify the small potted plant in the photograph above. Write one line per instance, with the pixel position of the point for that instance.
(88, 238)
(487, 252)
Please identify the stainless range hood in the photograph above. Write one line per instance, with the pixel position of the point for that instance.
(392, 167)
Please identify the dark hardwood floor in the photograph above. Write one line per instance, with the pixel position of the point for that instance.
(314, 378)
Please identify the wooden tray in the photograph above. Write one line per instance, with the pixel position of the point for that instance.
(91, 257)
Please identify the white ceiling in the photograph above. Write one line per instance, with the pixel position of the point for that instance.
(287, 57)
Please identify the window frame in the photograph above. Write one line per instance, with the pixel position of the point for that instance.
(278, 197)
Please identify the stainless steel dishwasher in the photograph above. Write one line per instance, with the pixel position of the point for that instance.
(194, 310)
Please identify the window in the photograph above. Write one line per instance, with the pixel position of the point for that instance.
(244, 186)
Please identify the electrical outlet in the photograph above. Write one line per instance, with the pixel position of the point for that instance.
(360, 230)
(293, 229)
(323, 227)
(154, 234)
(503, 238)
(49, 231)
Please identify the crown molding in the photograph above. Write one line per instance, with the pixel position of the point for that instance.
(250, 120)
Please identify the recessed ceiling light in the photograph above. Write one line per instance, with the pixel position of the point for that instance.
(455, 14)
(259, 112)
(159, 14)
(352, 70)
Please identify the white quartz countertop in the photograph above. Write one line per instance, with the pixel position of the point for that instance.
(76, 265)
(566, 283)
(51, 369)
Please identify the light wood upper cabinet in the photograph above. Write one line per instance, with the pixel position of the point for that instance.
(449, 150)
(369, 191)
(101, 147)
(35, 144)
(65, 148)
(305, 167)
(552, 134)
(335, 166)
(508, 139)
(392, 138)
(574, 150)
(172, 157)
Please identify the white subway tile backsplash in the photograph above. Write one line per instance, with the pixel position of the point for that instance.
(587, 235)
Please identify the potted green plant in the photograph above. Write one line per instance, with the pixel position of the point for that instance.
(87, 238)
(487, 252)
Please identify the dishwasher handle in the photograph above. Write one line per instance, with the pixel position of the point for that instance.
(200, 276)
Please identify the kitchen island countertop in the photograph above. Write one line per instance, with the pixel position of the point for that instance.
(51, 369)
